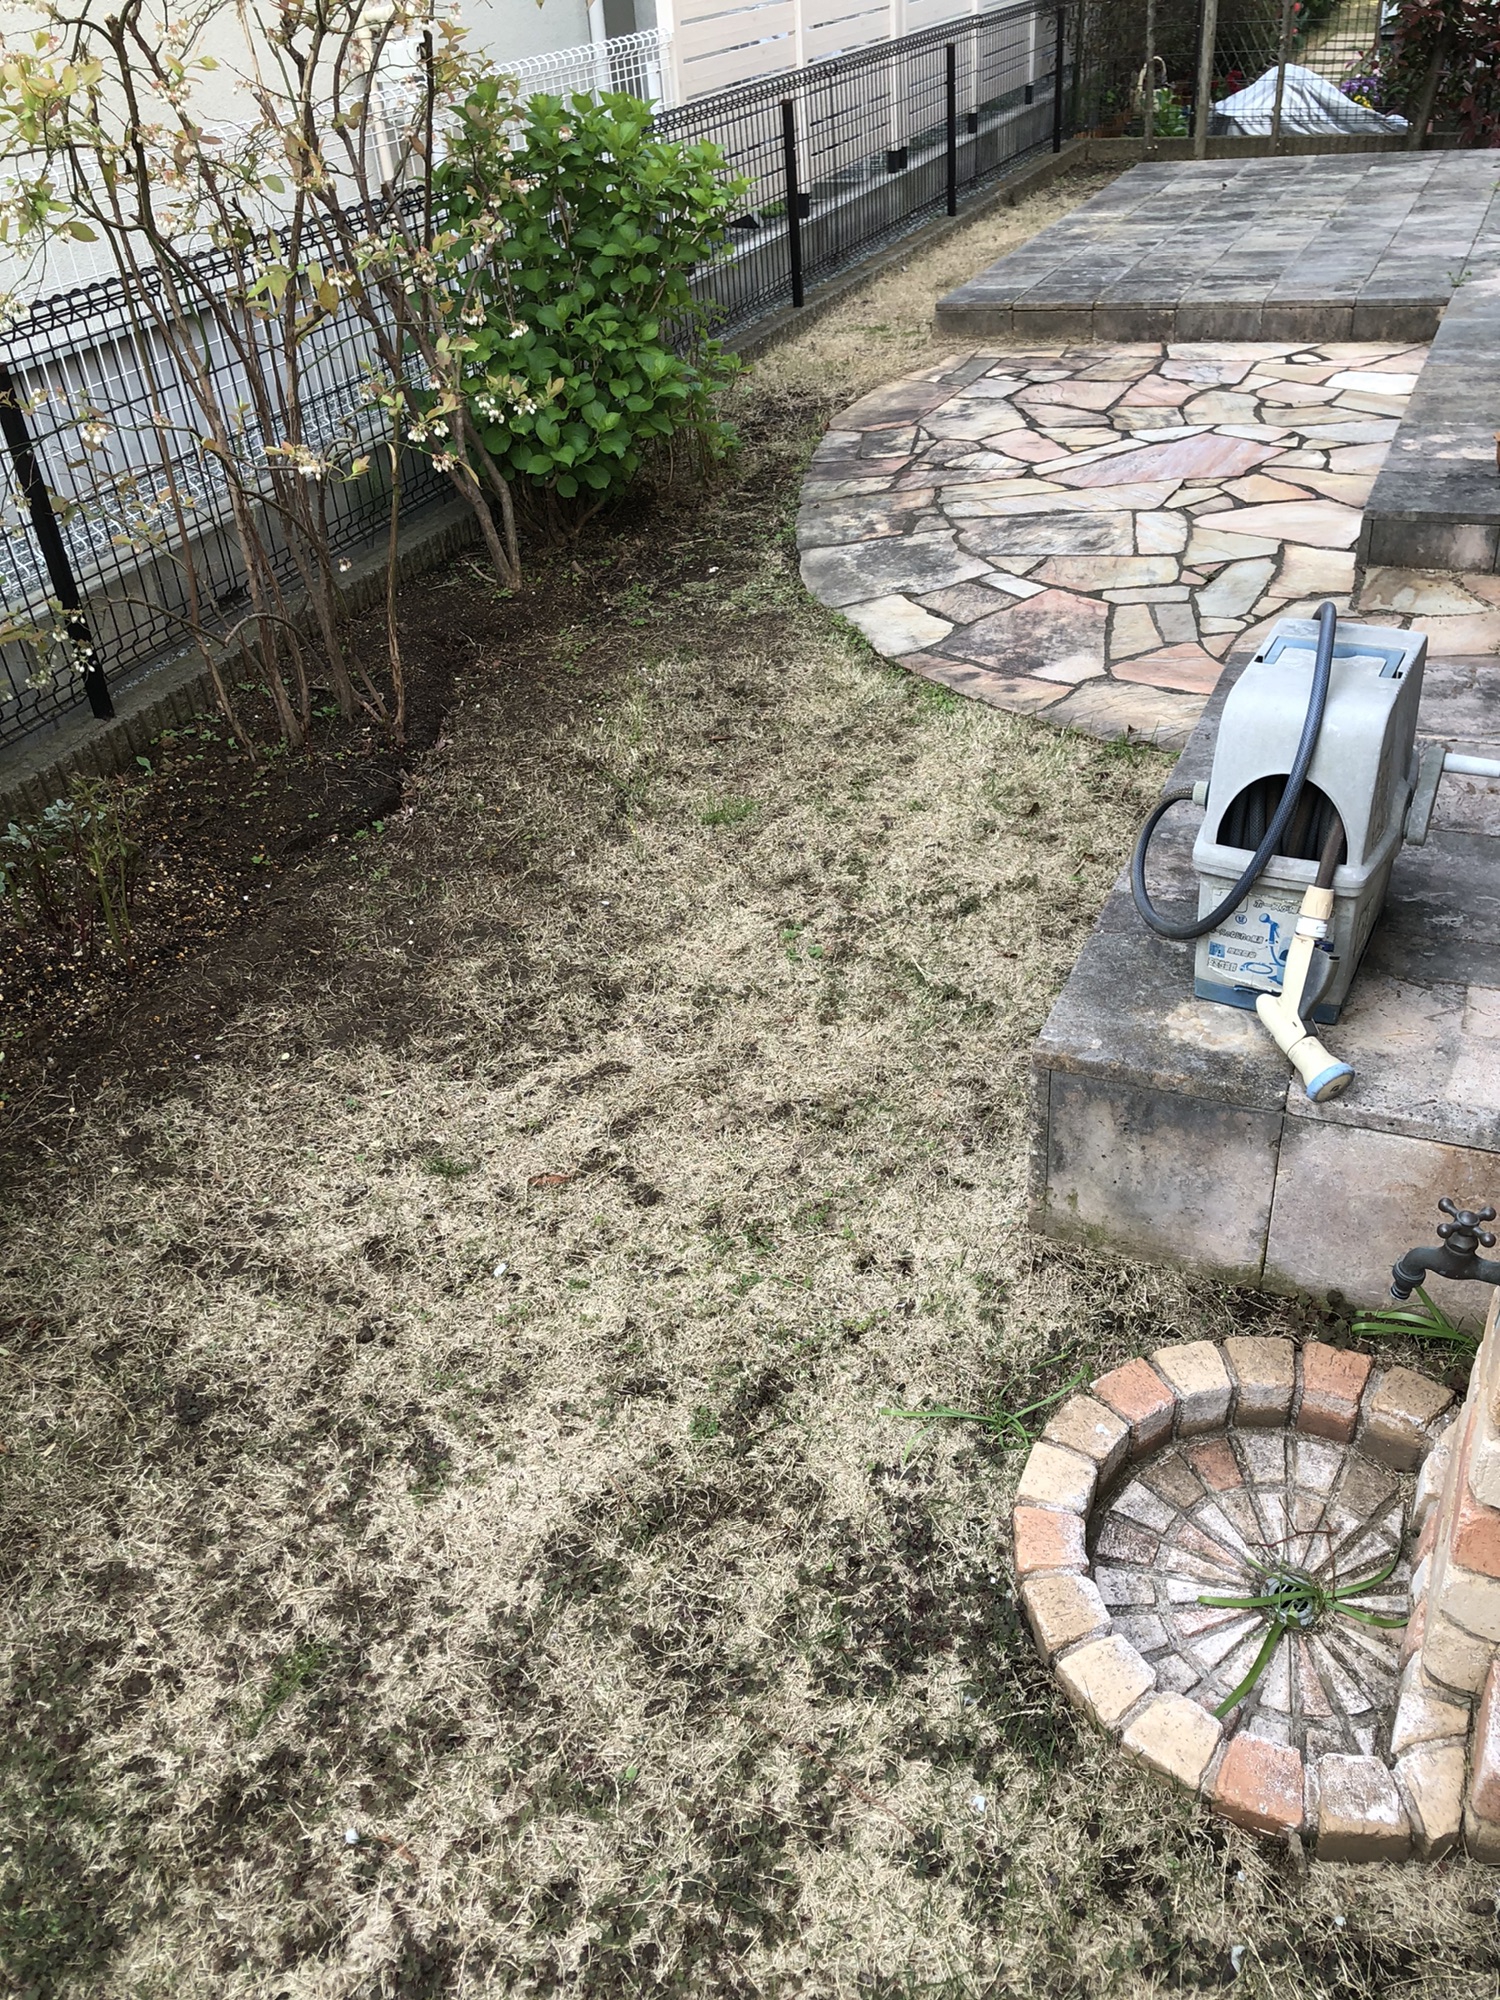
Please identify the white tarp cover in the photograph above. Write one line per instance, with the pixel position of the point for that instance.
(1310, 107)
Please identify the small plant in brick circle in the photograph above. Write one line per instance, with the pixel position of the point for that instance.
(1296, 1600)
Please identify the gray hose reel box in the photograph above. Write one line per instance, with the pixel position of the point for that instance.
(1364, 767)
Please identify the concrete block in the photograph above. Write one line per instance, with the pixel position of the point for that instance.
(1138, 1394)
(1046, 1540)
(1482, 1805)
(1196, 1373)
(1320, 322)
(1153, 1171)
(1414, 544)
(1390, 1181)
(1106, 1678)
(1333, 1380)
(1120, 1542)
(1481, 1837)
(1430, 1481)
(1265, 1373)
(1431, 1778)
(1175, 1736)
(1044, 324)
(1452, 1656)
(1482, 1460)
(1259, 1785)
(1360, 1812)
(1474, 1541)
(1484, 1781)
(1423, 1714)
(1093, 1430)
(1374, 320)
(1129, 323)
(1216, 1465)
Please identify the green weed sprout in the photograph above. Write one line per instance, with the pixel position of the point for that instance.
(1425, 1322)
(1296, 1601)
(1008, 1427)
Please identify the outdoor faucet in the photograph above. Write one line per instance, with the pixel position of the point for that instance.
(1457, 1258)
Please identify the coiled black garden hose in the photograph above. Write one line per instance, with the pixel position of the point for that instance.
(1317, 701)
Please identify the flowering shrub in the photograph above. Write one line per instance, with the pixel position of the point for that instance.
(580, 344)
(1367, 87)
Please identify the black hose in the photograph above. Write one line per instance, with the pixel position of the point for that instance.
(1270, 843)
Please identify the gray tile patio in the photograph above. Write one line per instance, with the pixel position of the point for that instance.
(1320, 247)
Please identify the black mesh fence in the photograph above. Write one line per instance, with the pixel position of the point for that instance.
(103, 480)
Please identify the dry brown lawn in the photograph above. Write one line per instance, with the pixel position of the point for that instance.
(459, 1541)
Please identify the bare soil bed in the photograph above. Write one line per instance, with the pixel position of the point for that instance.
(459, 1541)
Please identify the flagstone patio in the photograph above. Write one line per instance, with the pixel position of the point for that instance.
(1088, 532)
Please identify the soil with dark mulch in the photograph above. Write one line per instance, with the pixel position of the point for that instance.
(231, 848)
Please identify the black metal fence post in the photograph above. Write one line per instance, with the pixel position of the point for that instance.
(54, 550)
(1059, 51)
(793, 200)
(950, 81)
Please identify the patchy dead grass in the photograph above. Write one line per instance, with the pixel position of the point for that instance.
(458, 1539)
(885, 327)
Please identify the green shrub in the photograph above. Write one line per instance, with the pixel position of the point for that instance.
(583, 347)
(73, 868)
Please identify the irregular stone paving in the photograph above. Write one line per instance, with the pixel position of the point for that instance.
(1087, 532)
(1184, 1527)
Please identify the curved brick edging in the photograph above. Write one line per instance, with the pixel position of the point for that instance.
(1350, 1808)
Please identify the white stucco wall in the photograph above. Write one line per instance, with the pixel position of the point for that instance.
(507, 30)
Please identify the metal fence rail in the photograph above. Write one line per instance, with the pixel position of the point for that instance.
(847, 155)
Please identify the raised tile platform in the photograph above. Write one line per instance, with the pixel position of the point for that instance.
(1171, 1128)
(1334, 246)
(1436, 502)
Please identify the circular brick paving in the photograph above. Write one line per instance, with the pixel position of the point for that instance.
(1086, 533)
(1210, 1518)
(1187, 1476)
